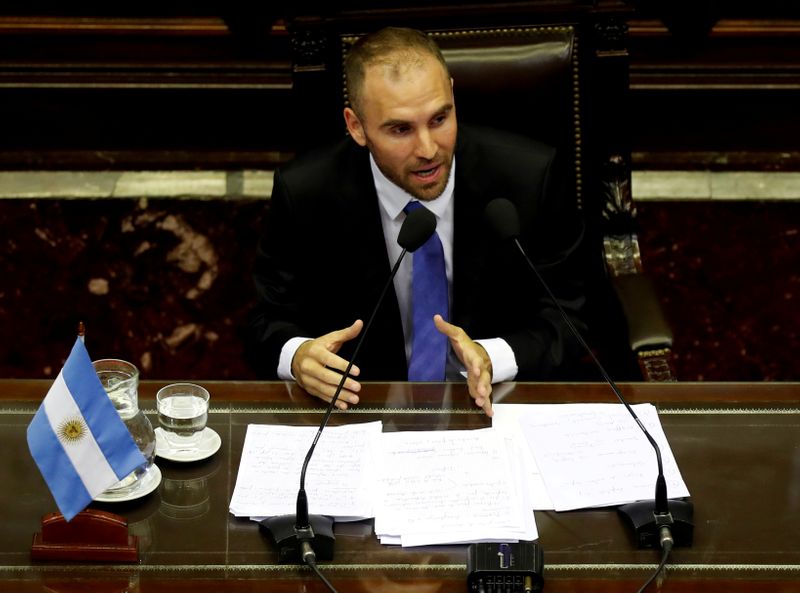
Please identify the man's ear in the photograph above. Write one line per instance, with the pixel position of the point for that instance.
(354, 126)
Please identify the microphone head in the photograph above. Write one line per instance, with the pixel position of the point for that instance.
(417, 228)
(502, 217)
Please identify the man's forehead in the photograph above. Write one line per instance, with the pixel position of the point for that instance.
(400, 65)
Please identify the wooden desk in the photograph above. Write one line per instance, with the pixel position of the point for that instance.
(738, 447)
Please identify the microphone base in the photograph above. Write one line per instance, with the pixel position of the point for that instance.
(646, 530)
(287, 538)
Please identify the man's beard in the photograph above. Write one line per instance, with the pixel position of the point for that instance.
(425, 192)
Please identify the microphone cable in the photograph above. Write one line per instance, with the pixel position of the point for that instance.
(310, 558)
(667, 548)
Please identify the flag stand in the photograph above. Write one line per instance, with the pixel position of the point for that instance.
(92, 535)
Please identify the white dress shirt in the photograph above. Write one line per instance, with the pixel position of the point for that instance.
(392, 199)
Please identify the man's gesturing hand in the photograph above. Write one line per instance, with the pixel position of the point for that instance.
(475, 361)
(315, 364)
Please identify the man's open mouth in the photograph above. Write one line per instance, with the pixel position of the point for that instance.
(428, 172)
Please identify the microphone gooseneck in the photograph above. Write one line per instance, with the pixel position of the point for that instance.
(661, 485)
(417, 228)
(295, 534)
(653, 525)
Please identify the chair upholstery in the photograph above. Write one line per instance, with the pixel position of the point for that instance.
(547, 81)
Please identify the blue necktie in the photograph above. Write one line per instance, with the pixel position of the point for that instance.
(428, 297)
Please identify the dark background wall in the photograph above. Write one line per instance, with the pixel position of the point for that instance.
(162, 85)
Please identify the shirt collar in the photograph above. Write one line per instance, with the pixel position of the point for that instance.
(393, 198)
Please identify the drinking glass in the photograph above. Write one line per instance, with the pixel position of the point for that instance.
(182, 414)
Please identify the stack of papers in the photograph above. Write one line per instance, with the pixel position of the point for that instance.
(450, 486)
(422, 488)
(458, 486)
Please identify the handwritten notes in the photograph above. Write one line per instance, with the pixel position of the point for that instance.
(339, 478)
(426, 487)
(593, 455)
(455, 486)
(449, 486)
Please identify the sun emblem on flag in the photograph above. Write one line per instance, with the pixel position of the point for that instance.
(72, 430)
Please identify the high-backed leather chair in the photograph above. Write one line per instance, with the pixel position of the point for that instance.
(565, 84)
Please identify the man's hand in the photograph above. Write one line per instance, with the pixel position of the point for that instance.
(315, 364)
(475, 360)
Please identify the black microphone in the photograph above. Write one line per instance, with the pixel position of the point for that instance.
(304, 537)
(657, 523)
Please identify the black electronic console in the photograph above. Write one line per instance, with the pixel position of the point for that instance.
(505, 568)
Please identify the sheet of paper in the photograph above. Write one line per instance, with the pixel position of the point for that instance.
(339, 479)
(594, 455)
(506, 420)
(449, 486)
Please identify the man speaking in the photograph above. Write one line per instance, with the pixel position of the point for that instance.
(463, 305)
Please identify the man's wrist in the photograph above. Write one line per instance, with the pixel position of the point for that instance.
(287, 356)
(503, 361)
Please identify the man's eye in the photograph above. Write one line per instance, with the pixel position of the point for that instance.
(401, 130)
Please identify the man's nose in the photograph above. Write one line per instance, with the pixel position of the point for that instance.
(426, 145)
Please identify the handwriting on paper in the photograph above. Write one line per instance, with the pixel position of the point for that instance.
(336, 479)
(596, 454)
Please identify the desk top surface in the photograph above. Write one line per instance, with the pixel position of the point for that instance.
(737, 445)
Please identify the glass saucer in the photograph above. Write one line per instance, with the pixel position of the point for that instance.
(147, 483)
(208, 444)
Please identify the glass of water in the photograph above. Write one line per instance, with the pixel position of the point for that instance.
(182, 414)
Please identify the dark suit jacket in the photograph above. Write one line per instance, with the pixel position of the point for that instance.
(322, 263)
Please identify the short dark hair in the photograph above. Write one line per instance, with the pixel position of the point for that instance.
(394, 47)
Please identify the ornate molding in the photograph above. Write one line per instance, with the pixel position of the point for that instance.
(620, 242)
(309, 50)
(611, 36)
(656, 365)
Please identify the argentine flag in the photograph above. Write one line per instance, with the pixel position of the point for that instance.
(77, 438)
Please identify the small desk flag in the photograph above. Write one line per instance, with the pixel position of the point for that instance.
(77, 438)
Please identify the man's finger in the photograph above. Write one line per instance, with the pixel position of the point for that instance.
(480, 388)
(475, 361)
(340, 336)
(448, 329)
(325, 387)
(329, 360)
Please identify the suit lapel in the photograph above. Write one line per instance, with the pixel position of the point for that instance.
(469, 233)
(383, 352)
